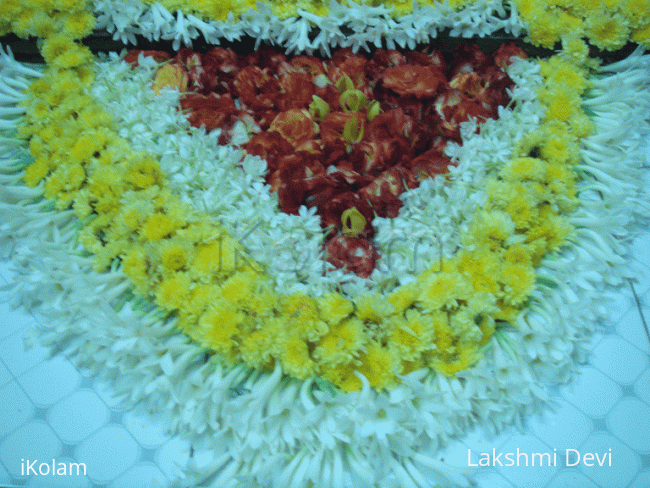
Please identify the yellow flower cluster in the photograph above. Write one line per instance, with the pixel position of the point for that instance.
(190, 267)
(607, 25)
(43, 18)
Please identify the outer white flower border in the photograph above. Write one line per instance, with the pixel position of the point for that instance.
(254, 429)
(356, 26)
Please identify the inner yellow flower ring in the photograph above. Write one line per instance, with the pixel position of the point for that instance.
(356, 382)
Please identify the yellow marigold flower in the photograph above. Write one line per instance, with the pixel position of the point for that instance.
(342, 376)
(83, 149)
(61, 51)
(94, 116)
(581, 125)
(404, 297)
(220, 324)
(443, 335)
(142, 171)
(78, 24)
(402, 7)
(518, 281)
(641, 35)
(199, 298)
(554, 230)
(561, 104)
(174, 254)
(379, 365)
(240, 287)
(262, 304)
(547, 26)
(481, 268)
(64, 179)
(157, 227)
(36, 172)
(233, 257)
(373, 308)
(608, 31)
(303, 317)
(135, 264)
(480, 305)
(518, 254)
(334, 307)
(444, 289)
(467, 356)
(560, 146)
(523, 204)
(523, 169)
(557, 70)
(172, 291)
(256, 347)
(296, 360)
(81, 204)
(207, 260)
(342, 343)
(490, 229)
(133, 213)
(574, 49)
(284, 9)
(463, 323)
(560, 184)
(413, 336)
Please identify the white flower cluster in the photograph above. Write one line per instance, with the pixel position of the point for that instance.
(357, 26)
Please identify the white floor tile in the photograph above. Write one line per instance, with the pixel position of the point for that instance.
(5, 374)
(15, 408)
(607, 358)
(50, 381)
(489, 478)
(568, 478)
(642, 480)
(642, 386)
(563, 428)
(629, 420)
(70, 480)
(5, 477)
(77, 416)
(592, 392)
(19, 357)
(530, 459)
(625, 462)
(108, 453)
(143, 475)
(12, 320)
(631, 329)
(33, 441)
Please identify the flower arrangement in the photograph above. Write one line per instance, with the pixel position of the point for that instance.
(338, 364)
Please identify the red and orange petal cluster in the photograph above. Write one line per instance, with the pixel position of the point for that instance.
(327, 152)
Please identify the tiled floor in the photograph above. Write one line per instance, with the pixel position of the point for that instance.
(51, 411)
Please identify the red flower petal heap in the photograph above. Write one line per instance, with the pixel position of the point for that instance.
(346, 135)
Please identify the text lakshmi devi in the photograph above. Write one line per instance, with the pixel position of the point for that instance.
(572, 457)
(53, 468)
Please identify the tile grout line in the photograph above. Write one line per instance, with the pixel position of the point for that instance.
(638, 306)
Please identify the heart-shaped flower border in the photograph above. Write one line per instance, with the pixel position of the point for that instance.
(345, 446)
